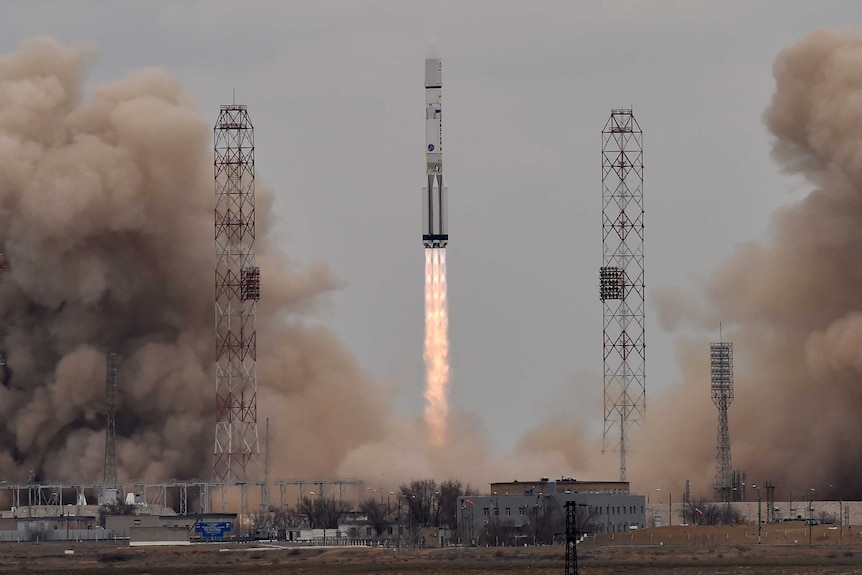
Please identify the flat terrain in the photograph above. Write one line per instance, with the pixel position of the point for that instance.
(669, 550)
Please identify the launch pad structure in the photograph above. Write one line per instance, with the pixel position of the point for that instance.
(183, 497)
(721, 372)
(237, 289)
(111, 367)
(621, 282)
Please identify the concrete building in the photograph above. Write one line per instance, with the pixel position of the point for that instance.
(534, 511)
(59, 528)
(121, 525)
(545, 486)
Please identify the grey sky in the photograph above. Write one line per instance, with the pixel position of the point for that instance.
(335, 90)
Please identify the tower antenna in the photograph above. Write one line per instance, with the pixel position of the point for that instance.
(111, 369)
(721, 370)
(237, 291)
(621, 281)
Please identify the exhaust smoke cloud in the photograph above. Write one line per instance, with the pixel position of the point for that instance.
(106, 220)
(794, 302)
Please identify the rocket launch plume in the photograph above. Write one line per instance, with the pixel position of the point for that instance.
(106, 215)
(106, 219)
(793, 302)
(436, 345)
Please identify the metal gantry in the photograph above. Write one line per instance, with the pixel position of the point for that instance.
(111, 368)
(237, 290)
(621, 281)
(721, 370)
(184, 497)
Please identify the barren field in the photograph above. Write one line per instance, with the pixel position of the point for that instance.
(669, 550)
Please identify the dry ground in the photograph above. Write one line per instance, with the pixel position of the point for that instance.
(669, 550)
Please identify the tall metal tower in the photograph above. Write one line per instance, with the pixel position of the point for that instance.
(237, 290)
(111, 366)
(721, 369)
(621, 281)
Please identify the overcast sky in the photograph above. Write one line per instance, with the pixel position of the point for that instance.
(335, 90)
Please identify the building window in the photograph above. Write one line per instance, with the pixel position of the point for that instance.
(508, 510)
(486, 512)
(520, 510)
(496, 511)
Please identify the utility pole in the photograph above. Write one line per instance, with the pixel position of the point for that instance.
(759, 522)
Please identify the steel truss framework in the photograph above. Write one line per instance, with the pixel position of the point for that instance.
(621, 281)
(572, 536)
(237, 290)
(192, 496)
(111, 366)
(721, 371)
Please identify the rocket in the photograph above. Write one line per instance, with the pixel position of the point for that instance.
(435, 225)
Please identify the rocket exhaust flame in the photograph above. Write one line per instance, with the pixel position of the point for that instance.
(436, 345)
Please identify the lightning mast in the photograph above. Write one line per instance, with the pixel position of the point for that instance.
(111, 366)
(621, 281)
(237, 290)
(721, 369)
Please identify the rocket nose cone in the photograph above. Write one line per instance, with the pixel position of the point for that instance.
(433, 68)
(433, 51)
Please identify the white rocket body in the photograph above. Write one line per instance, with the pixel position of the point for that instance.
(435, 225)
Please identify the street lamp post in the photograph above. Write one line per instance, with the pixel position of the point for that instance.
(759, 522)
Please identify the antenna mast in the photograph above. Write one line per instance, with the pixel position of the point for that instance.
(237, 290)
(621, 282)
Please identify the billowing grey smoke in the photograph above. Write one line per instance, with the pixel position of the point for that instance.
(793, 301)
(106, 219)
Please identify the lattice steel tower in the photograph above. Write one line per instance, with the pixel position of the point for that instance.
(621, 281)
(721, 369)
(111, 367)
(237, 290)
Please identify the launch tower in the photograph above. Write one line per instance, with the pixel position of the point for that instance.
(111, 366)
(721, 369)
(237, 290)
(621, 281)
